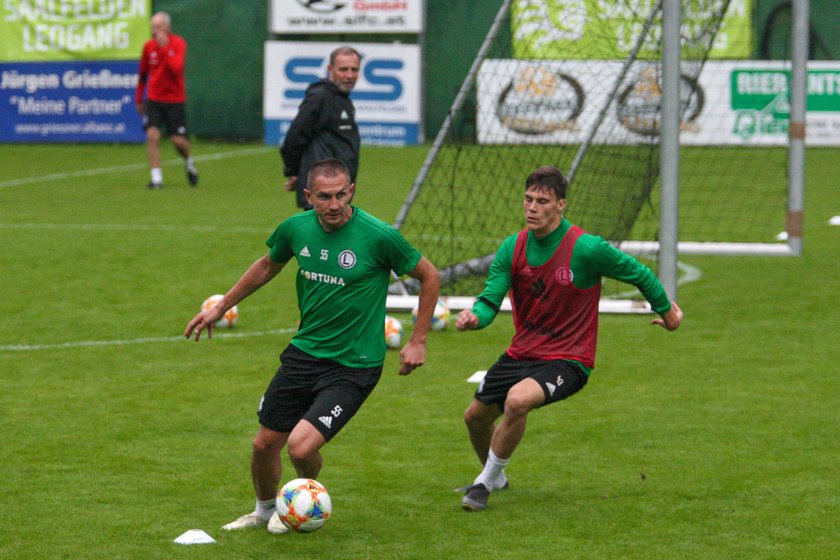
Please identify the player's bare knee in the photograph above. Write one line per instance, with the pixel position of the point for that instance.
(471, 421)
(263, 445)
(476, 417)
(517, 404)
(260, 446)
(300, 451)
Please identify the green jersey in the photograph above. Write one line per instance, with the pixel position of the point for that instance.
(342, 282)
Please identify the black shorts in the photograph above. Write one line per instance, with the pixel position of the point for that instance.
(324, 393)
(559, 379)
(173, 115)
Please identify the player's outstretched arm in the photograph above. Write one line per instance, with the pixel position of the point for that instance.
(671, 319)
(413, 354)
(257, 275)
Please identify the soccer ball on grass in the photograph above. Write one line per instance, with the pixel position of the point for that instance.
(230, 317)
(304, 505)
(393, 332)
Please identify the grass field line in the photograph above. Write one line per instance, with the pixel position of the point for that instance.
(130, 167)
(133, 227)
(145, 340)
(690, 273)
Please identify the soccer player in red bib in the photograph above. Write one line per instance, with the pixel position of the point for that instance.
(161, 82)
(553, 272)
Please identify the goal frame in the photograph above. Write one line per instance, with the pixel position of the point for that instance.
(668, 249)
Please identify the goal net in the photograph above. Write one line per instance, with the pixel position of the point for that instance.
(576, 84)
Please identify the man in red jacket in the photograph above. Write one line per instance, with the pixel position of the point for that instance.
(162, 81)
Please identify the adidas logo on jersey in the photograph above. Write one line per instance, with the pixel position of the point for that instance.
(326, 421)
(344, 115)
(304, 252)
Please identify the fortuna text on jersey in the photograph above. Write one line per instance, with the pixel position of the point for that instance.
(320, 277)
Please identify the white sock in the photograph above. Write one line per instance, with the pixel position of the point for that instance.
(265, 509)
(493, 475)
(157, 175)
(189, 163)
(500, 481)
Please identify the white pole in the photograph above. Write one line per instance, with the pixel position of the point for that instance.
(796, 131)
(669, 137)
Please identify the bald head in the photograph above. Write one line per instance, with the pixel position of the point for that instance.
(161, 28)
(162, 20)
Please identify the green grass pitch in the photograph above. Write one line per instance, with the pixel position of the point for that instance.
(719, 441)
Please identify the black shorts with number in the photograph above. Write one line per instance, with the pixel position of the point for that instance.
(325, 393)
(173, 115)
(559, 379)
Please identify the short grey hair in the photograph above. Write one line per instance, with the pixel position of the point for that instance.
(343, 50)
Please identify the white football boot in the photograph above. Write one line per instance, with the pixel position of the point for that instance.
(246, 522)
(276, 526)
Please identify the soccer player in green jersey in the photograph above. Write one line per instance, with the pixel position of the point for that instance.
(345, 257)
(553, 272)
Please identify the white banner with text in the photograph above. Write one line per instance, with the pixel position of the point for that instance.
(346, 16)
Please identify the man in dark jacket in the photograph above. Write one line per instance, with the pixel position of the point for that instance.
(325, 125)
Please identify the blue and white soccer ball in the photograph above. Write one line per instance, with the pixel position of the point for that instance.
(440, 318)
(304, 505)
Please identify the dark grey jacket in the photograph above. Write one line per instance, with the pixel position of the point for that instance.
(325, 126)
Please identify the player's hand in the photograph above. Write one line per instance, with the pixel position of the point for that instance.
(140, 108)
(466, 321)
(204, 320)
(670, 320)
(291, 183)
(412, 356)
